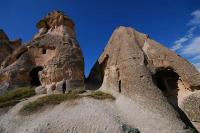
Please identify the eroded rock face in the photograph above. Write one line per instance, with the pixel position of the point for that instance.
(148, 73)
(61, 56)
(7, 46)
(53, 55)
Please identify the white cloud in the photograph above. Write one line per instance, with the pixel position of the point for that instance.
(194, 23)
(189, 44)
(178, 43)
(192, 48)
(197, 65)
(176, 47)
(196, 58)
(190, 31)
(196, 18)
(181, 40)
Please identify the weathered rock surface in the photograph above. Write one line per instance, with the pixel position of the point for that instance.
(155, 89)
(89, 116)
(150, 74)
(51, 56)
(40, 90)
(7, 46)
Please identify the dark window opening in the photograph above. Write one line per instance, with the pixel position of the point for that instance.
(44, 51)
(64, 86)
(167, 81)
(120, 86)
(35, 81)
(70, 41)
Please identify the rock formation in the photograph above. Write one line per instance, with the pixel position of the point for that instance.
(7, 46)
(155, 89)
(150, 74)
(52, 59)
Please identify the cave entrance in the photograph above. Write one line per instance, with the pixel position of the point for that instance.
(167, 81)
(35, 81)
(64, 86)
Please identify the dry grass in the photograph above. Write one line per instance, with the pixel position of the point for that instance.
(101, 95)
(46, 100)
(14, 96)
(55, 99)
(50, 100)
(77, 91)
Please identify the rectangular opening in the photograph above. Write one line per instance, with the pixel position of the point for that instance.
(119, 85)
(44, 51)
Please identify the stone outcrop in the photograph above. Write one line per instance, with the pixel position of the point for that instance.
(160, 83)
(7, 46)
(150, 74)
(53, 55)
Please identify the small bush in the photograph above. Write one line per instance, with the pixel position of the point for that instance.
(101, 95)
(14, 96)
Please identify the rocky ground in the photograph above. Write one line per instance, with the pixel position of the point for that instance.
(87, 115)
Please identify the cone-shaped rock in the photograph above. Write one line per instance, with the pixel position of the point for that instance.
(53, 58)
(150, 74)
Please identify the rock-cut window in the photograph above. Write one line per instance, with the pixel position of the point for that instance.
(44, 51)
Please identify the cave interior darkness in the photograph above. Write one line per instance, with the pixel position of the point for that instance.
(167, 81)
(35, 81)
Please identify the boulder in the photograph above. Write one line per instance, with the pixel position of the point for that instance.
(40, 90)
(191, 106)
(51, 88)
(60, 88)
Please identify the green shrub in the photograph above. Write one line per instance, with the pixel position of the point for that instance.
(101, 95)
(14, 96)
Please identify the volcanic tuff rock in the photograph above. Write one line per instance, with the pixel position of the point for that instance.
(53, 55)
(7, 46)
(156, 90)
(150, 74)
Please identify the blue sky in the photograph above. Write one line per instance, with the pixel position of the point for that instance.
(174, 23)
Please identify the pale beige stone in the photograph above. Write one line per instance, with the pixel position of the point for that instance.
(132, 63)
(40, 90)
(51, 56)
